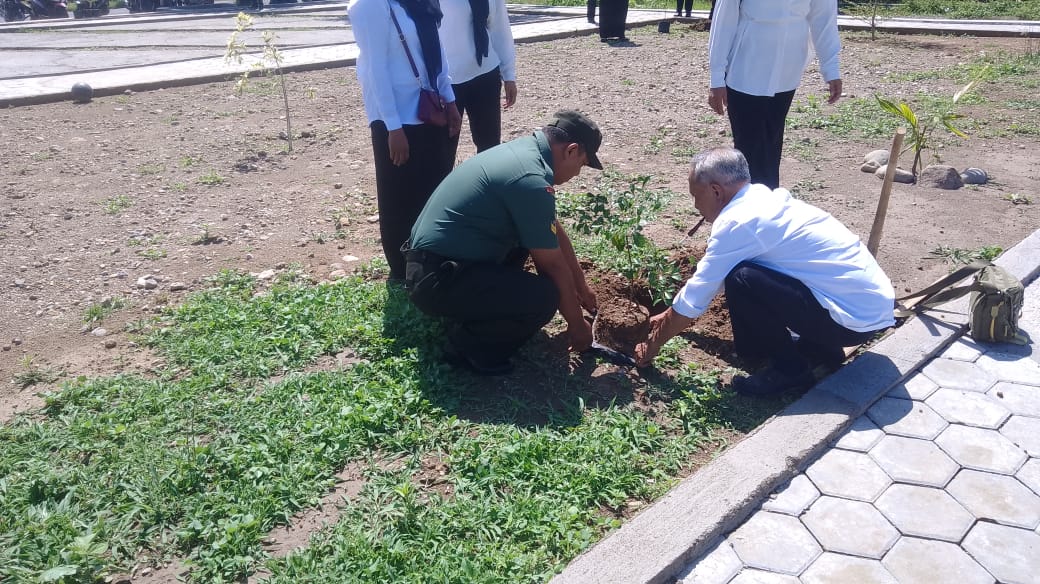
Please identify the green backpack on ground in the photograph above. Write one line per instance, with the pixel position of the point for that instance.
(994, 306)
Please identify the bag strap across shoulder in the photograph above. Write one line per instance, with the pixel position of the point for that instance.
(408, 53)
(941, 292)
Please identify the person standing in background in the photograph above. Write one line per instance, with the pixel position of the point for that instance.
(679, 8)
(612, 15)
(411, 158)
(481, 60)
(591, 6)
(757, 53)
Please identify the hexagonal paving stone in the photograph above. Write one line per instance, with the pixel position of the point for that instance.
(917, 387)
(1010, 554)
(924, 561)
(981, 449)
(860, 436)
(1020, 399)
(775, 543)
(852, 475)
(925, 512)
(1024, 432)
(965, 349)
(1029, 474)
(1018, 370)
(751, 576)
(968, 408)
(958, 375)
(915, 461)
(717, 566)
(850, 527)
(996, 497)
(792, 498)
(906, 418)
(838, 569)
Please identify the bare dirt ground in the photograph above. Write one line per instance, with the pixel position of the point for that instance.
(178, 184)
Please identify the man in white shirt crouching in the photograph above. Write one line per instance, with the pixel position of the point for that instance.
(786, 267)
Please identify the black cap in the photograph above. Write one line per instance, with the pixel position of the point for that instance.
(583, 131)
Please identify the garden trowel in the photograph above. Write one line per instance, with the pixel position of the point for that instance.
(614, 356)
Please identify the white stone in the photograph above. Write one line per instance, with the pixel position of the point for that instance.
(850, 527)
(774, 542)
(917, 387)
(997, 498)
(1029, 475)
(852, 475)
(953, 374)
(1024, 371)
(925, 512)
(981, 449)
(922, 561)
(900, 176)
(718, 566)
(792, 498)
(349, 258)
(1024, 432)
(1010, 554)
(1020, 399)
(969, 408)
(965, 349)
(906, 418)
(861, 436)
(833, 568)
(266, 275)
(915, 461)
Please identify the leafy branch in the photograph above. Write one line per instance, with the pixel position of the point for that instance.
(271, 59)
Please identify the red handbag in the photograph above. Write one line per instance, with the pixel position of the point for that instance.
(432, 109)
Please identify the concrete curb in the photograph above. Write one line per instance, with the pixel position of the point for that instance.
(720, 496)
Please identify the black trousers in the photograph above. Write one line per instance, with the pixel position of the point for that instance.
(758, 131)
(612, 15)
(763, 304)
(679, 7)
(591, 8)
(402, 191)
(495, 308)
(479, 100)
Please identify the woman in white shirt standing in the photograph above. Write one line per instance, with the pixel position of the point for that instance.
(481, 59)
(411, 157)
(757, 53)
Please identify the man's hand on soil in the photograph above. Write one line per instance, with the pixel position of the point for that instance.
(580, 336)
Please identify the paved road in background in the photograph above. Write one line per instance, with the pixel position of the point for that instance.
(121, 39)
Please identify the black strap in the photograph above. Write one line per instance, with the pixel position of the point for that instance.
(400, 35)
(941, 292)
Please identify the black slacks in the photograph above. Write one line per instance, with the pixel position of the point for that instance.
(763, 304)
(591, 10)
(402, 191)
(495, 308)
(612, 15)
(479, 99)
(758, 131)
(679, 7)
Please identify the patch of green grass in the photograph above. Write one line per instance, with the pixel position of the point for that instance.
(97, 312)
(211, 178)
(117, 204)
(31, 374)
(150, 168)
(848, 118)
(179, 187)
(804, 188)
(1001, 66)
(1017, 199)
(152, 253)
(206, 457)
(959, 255)
(189, 161)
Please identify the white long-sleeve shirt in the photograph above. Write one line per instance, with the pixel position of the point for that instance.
(388, 85)
(779, 232)
(457, 36)
(761, 47)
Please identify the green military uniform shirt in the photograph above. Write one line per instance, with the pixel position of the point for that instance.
(494, 202)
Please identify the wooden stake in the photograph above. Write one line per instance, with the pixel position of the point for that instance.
(886, 192)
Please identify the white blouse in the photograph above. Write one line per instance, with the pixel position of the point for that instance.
(761, 47)
(388, 85)
(457, 36)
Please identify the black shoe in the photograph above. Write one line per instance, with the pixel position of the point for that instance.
(489, 369)
(689, 15)
(771, 382)
(826, 359)
(592, 21)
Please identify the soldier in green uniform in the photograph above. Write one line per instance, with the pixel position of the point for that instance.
(466, 255)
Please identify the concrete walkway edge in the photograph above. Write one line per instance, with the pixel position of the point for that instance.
(687, 521)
